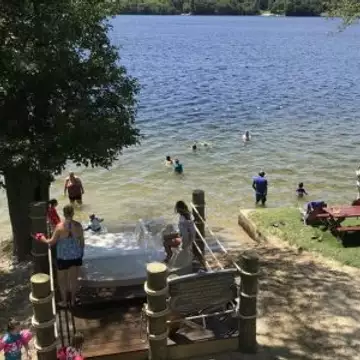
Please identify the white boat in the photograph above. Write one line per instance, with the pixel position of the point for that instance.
(119, 259)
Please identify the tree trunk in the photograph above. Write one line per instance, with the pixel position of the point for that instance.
(22, 188)
(42, 187)
(20, 185)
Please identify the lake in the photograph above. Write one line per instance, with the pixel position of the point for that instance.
(293, 82)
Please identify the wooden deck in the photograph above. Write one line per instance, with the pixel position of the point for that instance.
(115, 328)
(111, 328)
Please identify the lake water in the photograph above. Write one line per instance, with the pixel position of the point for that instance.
(293, 82)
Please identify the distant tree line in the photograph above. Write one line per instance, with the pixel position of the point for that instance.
(220, 7)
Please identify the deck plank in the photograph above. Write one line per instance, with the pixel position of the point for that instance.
(111, 329)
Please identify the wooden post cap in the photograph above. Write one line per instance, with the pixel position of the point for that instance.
(40, 278)
(156, 268)
(250, 255)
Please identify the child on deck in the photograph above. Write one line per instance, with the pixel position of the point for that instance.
(72, 352)
(95, 223)
(300, 191)
(14, 340)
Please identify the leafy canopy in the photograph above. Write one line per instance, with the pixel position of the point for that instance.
(63, 94)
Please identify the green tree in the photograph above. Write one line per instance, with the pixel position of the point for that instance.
(348, 10)
(63, 97)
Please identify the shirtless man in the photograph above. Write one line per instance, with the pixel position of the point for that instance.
(73, 186)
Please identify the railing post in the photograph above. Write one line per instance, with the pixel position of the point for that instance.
(198, 200)
(43, 320)
(157, 310)
(39, 249)
(248, 302)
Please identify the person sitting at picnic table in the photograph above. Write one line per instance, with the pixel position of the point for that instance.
(313, 209)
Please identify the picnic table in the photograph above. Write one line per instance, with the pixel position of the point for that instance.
(334, 216)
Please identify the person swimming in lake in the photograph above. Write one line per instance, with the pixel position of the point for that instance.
(178, 168)
(194, 147)
(95, 223)
(300, 191)
(246, 137)
(168, 161)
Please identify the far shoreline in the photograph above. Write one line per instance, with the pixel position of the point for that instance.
(229, 15)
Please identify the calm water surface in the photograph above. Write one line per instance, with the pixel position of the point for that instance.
(293, 82)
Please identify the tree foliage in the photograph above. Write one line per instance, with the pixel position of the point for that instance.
(220, 7)
(348, 10)
(196, 7)
(63, 94)
(297, 7)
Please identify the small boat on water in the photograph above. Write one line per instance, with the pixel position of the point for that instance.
(119, 259)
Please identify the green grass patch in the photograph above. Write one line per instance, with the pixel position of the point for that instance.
(286, 224)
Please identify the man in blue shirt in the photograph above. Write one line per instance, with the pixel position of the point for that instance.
(260, 185)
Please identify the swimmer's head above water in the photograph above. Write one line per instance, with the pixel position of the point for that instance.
(246, 136)
(194, 147)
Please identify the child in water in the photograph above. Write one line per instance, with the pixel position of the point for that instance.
(168, 161)
(95, 223)
(178, 168)
(14, 340)
(72, 352)
(246, 136)
(300, 191)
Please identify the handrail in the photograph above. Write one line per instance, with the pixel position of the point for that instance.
(52, 285)
(207, 265)
(208, 247)
(215, 237)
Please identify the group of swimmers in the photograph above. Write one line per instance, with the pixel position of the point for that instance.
(178, 167)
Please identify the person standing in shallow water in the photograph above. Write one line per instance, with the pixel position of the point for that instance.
(178, 168)
(260, 185)
(357, 172)
(74, 187)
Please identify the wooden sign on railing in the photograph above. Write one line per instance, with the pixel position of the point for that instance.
(197, 292)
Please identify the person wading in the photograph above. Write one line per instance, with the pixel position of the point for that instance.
(260, 185)
(69, 239)
(74, 187)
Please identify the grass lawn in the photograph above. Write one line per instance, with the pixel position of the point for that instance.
(289, 227)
